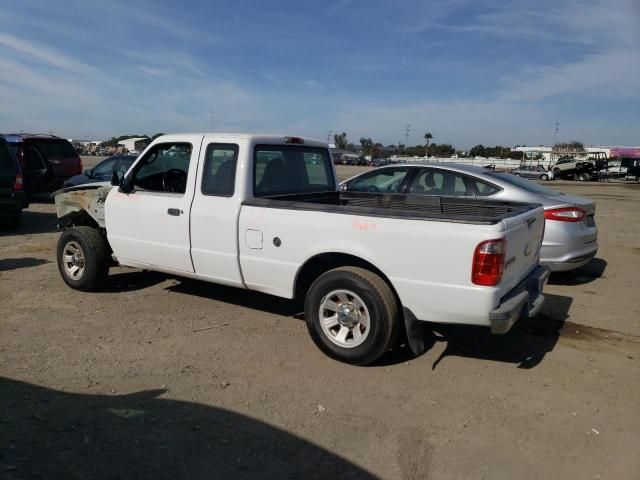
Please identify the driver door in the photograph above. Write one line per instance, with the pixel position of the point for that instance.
(149, 226)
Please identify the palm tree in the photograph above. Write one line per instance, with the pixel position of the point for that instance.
(427, 137)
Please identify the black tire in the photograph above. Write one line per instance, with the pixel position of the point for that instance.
(379, 300)
(556, 171)
(94, 249)
(583, 177)
(544, 177)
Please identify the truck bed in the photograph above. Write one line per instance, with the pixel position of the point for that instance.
(416, 207)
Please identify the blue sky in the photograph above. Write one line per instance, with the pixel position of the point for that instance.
(468, 71)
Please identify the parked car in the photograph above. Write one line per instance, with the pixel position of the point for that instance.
(571, 236)
(631, 167)
(12, 196)
(103, 171)
(46, 160)
(256, 212)
(533, 171)
(575, 169)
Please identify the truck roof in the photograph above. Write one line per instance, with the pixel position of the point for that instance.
(268, 138)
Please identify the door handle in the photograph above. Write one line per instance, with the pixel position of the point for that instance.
(174, 211)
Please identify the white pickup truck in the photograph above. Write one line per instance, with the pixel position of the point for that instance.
(263, 213)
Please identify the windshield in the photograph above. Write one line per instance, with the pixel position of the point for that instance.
(523, 183)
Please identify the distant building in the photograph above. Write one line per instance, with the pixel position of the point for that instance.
(136, 144)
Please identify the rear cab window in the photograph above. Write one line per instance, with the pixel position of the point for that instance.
(289, 169)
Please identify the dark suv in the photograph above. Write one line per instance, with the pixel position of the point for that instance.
(46, 160)
(12, 196)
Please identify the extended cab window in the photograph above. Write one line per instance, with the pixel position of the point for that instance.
(282, 169)
(386, 180)
(164, 168)
(219, 173)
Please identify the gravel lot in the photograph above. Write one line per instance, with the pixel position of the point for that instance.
(158, 377)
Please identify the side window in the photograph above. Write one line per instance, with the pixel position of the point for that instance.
(439, 182)
(105, 168)
(164, 168)
(34, 159)
(219, 172)
(482, 189)
(386, 180)
(6, 160)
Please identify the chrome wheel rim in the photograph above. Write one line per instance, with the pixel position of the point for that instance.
(73, 260)
(344, 318)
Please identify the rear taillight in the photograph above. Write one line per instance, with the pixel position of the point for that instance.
(568, 214)
(488, 262)
(18, 185)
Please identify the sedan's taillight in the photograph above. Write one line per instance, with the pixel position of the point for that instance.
(18, 184)
(567, 214)
(488, 262)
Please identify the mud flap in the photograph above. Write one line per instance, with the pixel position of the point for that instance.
(416, 331)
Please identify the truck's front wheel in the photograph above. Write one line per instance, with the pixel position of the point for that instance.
(352, 315)
(83, 258)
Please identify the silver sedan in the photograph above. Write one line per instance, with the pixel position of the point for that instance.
(571, 236)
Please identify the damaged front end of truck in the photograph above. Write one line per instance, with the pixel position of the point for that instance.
(82, 205)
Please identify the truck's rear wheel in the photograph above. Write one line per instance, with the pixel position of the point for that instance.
(83, 258)
(351, 315)
(583, 177)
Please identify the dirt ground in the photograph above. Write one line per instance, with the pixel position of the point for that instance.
(159, 377)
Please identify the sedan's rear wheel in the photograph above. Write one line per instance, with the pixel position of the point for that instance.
(544, 177)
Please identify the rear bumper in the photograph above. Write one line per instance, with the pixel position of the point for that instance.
(524, 301)
(571, 260)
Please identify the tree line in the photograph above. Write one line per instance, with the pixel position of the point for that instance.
(369, 147)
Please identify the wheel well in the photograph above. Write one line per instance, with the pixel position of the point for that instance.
(316, 266)
(78, 219)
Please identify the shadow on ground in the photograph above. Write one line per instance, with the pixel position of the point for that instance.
(580, 276)
(132, 280)
(32, 223)
(525, 345)
(237, 296)
(7, 264)
(51, 434)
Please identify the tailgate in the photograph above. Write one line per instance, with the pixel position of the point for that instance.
(524, 237)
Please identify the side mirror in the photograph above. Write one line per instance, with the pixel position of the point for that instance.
(344, 187)
(116, 177)
(88, 172)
